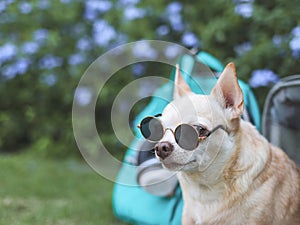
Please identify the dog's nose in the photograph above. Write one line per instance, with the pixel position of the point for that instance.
(163, 149)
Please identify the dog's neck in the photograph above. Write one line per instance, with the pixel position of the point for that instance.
(215, 183)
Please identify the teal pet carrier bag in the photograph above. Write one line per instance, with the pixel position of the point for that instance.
(131, 202)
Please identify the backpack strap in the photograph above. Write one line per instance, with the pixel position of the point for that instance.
(209, 60)
(186, 65)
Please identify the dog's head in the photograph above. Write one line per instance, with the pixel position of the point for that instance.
(215, 118)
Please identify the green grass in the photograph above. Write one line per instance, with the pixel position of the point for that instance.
(43, 191)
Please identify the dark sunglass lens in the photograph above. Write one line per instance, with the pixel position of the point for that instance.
(186, 137)
(152, 129)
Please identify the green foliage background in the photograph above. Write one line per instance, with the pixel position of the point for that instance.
(36, 102)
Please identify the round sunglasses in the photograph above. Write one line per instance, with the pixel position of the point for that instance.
(186, 136)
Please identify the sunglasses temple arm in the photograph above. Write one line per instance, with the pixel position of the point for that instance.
(216, 128)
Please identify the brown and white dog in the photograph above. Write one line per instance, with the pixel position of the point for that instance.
(233, 176)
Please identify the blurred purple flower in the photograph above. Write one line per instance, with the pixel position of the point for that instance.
(22, 65)
(190, 39)
(30, 47)
(83, 96)
(84, 44)
(103, 33)
(295, 46)
(132, 13)
(162, 30)
(19, 67)
(9, 72)
(277, 40)
(93, 7)
(263, 77)
(44, 4)
(143, 49)
(90, 14)
(50, 79)
(76, 59)
(7, 52)
(49, 62)
(296, 31)
(243, 48)
(40, 35)
(174, 8)
(2, 6)
(138, 69)
(65, 1)
(244, 9)
(295, 42)
(172, 51)
(127, 2)
(176, 22)
(25, 7)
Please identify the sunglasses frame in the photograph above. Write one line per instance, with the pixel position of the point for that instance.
(200, 138)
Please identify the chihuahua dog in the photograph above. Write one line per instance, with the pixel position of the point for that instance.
(228, 172)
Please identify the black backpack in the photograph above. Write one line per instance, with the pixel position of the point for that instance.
(281, 116)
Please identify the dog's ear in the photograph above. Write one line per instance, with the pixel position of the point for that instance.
(228, 92)
(181, 88)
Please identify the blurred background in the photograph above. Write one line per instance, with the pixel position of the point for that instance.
(45, 47)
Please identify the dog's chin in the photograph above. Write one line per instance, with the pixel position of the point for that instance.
(174, 166)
